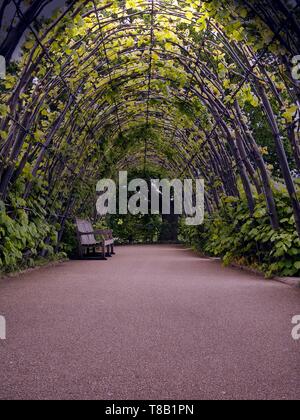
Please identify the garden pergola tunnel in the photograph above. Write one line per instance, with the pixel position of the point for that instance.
(184, 86)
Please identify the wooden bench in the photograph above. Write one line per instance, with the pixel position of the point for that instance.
(87, 240)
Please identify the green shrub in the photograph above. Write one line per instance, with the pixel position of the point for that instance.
(237, 237)
(25, 235)
(136, 229)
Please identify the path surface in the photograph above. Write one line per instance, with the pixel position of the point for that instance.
(151, 323)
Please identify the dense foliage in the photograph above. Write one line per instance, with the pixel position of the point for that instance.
(234, 235)
(196, 88)
(136, 229)
(25, 234)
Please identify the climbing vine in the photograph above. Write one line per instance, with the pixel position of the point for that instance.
(189, 86)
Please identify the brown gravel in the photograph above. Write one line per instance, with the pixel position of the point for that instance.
(153, 322)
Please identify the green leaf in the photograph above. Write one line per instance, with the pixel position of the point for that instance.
(297, 265)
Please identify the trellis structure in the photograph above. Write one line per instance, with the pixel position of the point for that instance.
(112, 84)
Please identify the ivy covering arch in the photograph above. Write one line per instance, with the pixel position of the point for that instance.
(188, 86)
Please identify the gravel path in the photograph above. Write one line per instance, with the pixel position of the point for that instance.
(154, 322)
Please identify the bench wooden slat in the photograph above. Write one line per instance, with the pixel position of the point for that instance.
(88, 238)
(85, 228)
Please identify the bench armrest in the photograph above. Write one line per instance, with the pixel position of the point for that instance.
(97, 233)
(86, 233)
(105, 234)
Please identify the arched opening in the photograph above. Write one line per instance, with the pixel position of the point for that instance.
(197, 89)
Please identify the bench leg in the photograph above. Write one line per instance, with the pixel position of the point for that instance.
(103, 251)
(80, 252)
(112, 250)
(108, 251)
